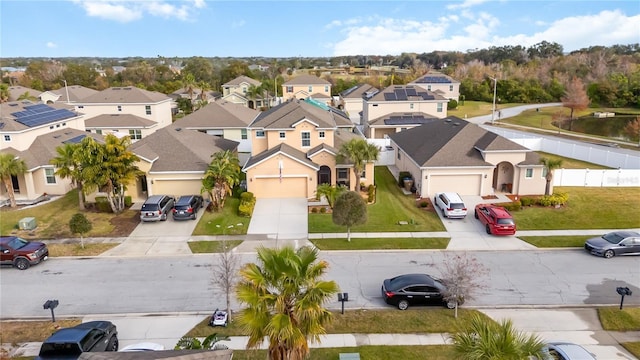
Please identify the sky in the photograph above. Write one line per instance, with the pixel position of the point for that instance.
(328, 28)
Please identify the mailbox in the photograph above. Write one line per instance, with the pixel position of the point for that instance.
(623, 291)
(51, 304)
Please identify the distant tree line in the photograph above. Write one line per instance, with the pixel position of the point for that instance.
(539, 73)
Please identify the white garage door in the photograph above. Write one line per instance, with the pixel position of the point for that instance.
(274, 188)
(462, 184)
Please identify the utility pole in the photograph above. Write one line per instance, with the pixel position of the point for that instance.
(67, 90)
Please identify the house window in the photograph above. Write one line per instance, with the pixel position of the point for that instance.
(326, 88)
(528, 173)
(411, 106)
(399, 155)
(306, 139)
(289, 89)
(243, 134)
(544, 172)
(50, 175)
(343, 174)
(310, 89)
(57, 125)
(64, 124)
(7, 138)
(135, 134)
(99, 131)
(119, 107)
(321, 134)
(283, 135)
(51, 127)
(244, 89)
(259, 133)
(450, 87)
(439, 107)
(147, 109)
(364, 174)
(429, 87)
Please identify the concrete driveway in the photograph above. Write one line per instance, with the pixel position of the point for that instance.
(469, 234)
(168, 237)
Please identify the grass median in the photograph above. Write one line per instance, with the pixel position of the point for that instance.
(573, 241)
(380, 243)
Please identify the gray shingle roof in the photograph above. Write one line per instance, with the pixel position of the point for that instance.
(76, 93)
(243, 79)
(435, 78)
(178, 149)
(306, 80)
(16, 91)
(451, 142)
(219, 114)
(285, 115)
(125, 95)
(411, 93)
(284, 149)
(358, 91)
(8, 120)
(402, 119)
(119, 121)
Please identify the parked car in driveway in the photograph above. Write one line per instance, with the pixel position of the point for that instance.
(451, 205)
(70, 343)
(21, 253)
(187, 206)
(143, 346)
(157, 208)
(566, 351)
(496, 219)
(415, 289)
(614, 243)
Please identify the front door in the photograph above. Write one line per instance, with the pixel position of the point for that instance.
(324, 175)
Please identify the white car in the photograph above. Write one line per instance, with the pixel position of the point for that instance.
(451, 205)
(566, 351)
(143, 346)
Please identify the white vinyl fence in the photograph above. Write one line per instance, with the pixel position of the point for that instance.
(596, 178)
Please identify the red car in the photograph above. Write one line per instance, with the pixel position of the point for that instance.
(496, 219)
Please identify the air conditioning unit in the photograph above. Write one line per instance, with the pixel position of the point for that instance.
(28, 223)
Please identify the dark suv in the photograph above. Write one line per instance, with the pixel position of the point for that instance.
(21, 253)
(187, 207)
(70, 343)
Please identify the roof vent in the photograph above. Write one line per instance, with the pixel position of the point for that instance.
(456, 124)
(447, 120)
(178, 129)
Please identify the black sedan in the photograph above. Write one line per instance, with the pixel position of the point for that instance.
(70, 343)
(614, 243)
(415, 289)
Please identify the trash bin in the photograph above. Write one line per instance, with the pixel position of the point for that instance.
(28, 223)
(408, 183)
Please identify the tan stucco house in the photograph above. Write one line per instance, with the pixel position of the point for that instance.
(400, 107)
(440, 84)
(174, 160)
(75, 92)
(307, 86)
(351, 101)
(238, 91)
(454, 155)
(294, 147)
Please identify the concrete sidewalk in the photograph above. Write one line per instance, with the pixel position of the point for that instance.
(577, 325)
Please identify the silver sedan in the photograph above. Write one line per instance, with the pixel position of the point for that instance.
(614, 243)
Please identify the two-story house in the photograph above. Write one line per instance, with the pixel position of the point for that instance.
(67, 94)
(440, 84)
(307, 86)
(129, 100)
(352, 100)
(238, 91)
(294, 148)
(400, 107)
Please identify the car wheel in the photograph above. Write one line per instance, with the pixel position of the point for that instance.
(475, 214)
(451, 304)
(113, 344)
(609, 254)
(488, 228)
(22, 263)
(403, 305)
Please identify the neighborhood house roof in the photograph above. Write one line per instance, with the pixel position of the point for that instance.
(289, 113)
(21, 115)
(358, 91)
(125, 95)
(451, 142)
(242, 79)
(76, 93)
(400, 119)
(16, 91)
(435, 78)
(116, 121)
(219, 114)
(306, 80)
(175, 149)
(284, 149)
(405, 93)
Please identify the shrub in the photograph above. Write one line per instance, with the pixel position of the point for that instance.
(555, 199)
(452, 104)
(102, 204)
(372, 194)
(314, 210)
(512, 206)
(527, 201)
(246, 196)
(323, 210)
(247, 203)
(127, 201)
(424, 203)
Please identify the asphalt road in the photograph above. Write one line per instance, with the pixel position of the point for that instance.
(87, 286)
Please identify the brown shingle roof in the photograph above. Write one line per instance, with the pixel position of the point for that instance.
(285, 115)
(76, 93)
(306, 80)
(43, 148)
(16, 91)
(178, 149)
(451, 142)
(243, 79)
(119, 121)
(284, 149)
(219, 114)
(125, 95)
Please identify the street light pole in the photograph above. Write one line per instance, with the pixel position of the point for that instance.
(493, 109)
(67, 91)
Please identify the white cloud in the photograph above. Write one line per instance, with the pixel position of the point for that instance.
(127, 11)
(465, 4)
(52, 45)
(238, 24)
(472, 30)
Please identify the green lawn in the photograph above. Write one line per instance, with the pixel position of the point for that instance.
(225, 222)
(556, 241)
(201, 247)
(370, 352)
(380, 243)
(568, 163)
(614, 319)
(391, 207)
(587, 208)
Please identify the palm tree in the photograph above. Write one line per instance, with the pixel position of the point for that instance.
(4, 92)
(284, 297)
(331, 193)
(68, 166)
(550, 165)
(221, 176)
(484, 339)
(357, 152)
(27, 96)
(204, 87)
(211, 342)
(11, 165)
(189, 84)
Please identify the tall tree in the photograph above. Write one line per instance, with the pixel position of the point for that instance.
(68, 164)
(550, 165)
(350, 209)
(10, 165)
(357, 152)
(221, 176)
(484, 339)
(284, 295)
(189, 85)
(464, 276)
(109, 168)
(575, 98)
(225, 271)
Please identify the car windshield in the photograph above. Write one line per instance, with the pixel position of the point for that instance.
(505, 221)
(613, 238)
(457, 206)
(17, 243)
(55, 349)
(149, 207)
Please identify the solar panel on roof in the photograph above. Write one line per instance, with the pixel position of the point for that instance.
(36, 119)
(389, 96)
(407, 120)
(75, 140)
(411, 92)
(38, 108)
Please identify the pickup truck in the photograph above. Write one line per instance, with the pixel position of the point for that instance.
(70, 343)
(496, 219)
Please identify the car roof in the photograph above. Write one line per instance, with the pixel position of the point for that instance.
(499, 211)
(185, 199)
(405, 280)
(626, 234)
(571, 351)
(78, 332)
